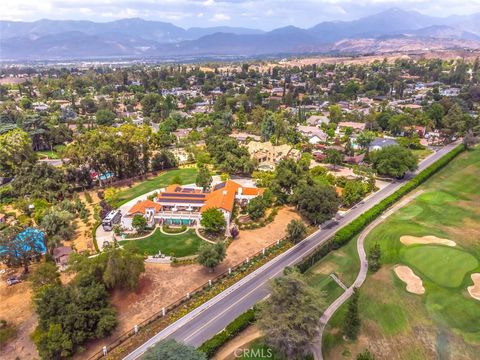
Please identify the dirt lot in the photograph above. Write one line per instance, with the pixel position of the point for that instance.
(17, 309)
(164, 284)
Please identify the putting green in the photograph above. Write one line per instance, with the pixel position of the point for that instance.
(443, 265)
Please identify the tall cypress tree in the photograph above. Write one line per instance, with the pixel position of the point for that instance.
(351, 326)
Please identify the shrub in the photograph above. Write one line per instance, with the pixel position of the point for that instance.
(88, 197)
(210, 347)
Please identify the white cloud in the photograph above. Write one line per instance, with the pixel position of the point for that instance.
(220, 17)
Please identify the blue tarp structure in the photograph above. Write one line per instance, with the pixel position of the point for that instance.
(36, 235)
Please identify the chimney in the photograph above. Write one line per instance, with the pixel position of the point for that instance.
(240, 190)
(224, 192)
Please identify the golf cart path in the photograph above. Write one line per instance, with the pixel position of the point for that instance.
(362, 274)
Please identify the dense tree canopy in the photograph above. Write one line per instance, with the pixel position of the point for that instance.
(15, 148)
(394, 161)
(317, 203)
(289, 317)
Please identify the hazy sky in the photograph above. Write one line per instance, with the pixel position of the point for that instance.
(264, 14)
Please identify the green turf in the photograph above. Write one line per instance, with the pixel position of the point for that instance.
(445, 318)
(443, 265)
(172, 245)
(48, 154)
(187, 175)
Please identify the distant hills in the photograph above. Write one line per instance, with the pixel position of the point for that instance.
(136, 38)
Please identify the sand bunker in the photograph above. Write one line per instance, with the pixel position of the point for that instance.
(425, 240)
(474, 290)
(414, 283)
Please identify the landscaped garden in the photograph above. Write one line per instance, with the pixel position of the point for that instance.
(185, 175)
(178, 245)
(443, 321)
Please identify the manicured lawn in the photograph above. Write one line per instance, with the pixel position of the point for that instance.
(47, 154)
(172, 245)
(443, 265)
(187, 175)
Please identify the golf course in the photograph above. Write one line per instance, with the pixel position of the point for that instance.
(435, 241)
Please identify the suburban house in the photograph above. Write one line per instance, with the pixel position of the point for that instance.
(380, 143)
(356, 126)
(243, 137)
(313, 133)
(184, 205)
(315, 120)
(268, 155)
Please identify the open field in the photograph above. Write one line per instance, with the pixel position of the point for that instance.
(187, 176)
(178, 245)
(444, 322)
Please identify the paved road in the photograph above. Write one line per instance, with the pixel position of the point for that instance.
(361, 277)
(212, 317)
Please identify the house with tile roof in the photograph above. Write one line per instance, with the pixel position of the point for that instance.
(184, 205)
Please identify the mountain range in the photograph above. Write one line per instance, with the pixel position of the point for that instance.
(137, 38)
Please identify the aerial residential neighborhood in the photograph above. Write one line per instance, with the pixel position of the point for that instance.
(195, 192)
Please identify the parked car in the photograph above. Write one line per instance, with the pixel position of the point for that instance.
(12, 280)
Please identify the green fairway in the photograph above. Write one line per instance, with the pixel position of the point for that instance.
(443, 322)
(443, 265)
(187, 176)
(172, 245)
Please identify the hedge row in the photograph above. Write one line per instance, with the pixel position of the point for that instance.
(211, 346)
(345, 234)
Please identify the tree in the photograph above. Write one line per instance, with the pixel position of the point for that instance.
(289, 317)
(15, 148)
(296, 231)
(288, 174)
(374, 258)
(20, 247)
(173, 350)
(317, 203)
(204, 178)
(58, 226)
(40, 181)
(469, 140)
(139, 223)
(164, 160)
(105, 117)
(69, 316)
(210, 255)
(256, 208)
(123, 269)
(365, 355)
(335, 113)
(394, 161)
(351, 325)
(268, 127)
(213, 220)
(352, 192)
(45, 274)
(364, 139)
(334, 157)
